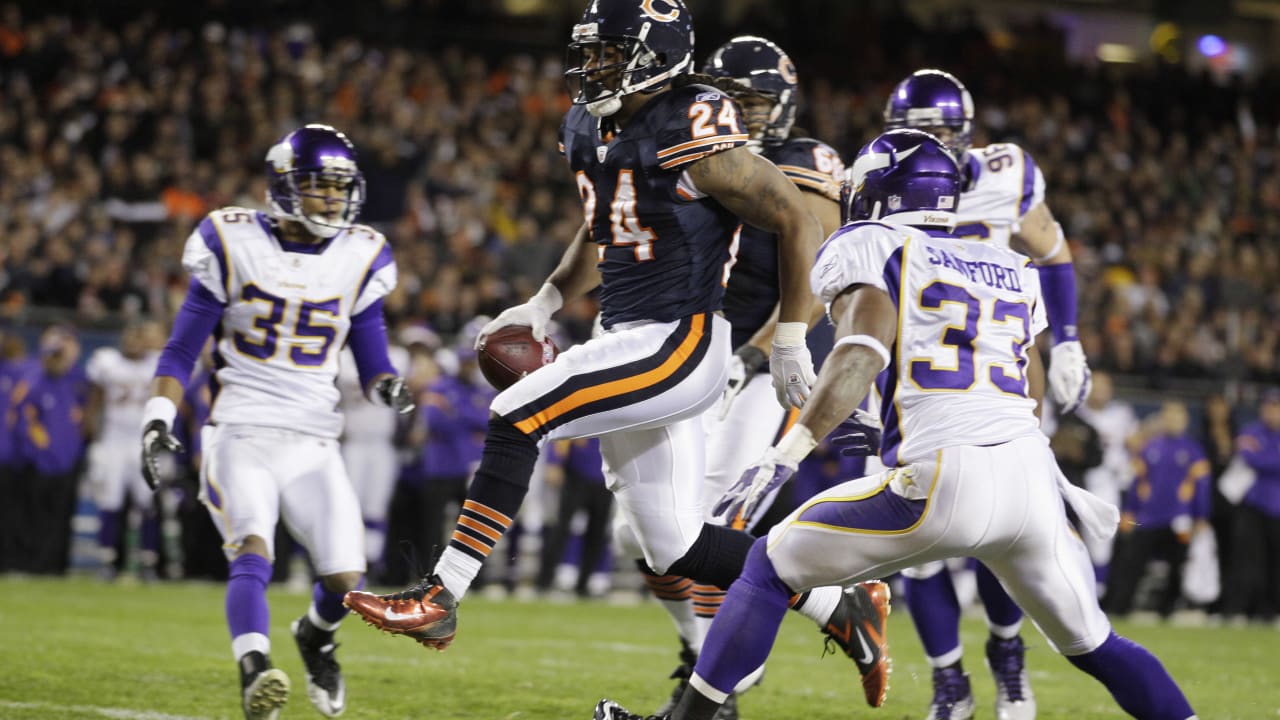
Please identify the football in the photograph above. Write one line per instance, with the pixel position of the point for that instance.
(510, 353)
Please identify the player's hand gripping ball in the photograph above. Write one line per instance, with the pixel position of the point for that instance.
(510, 353)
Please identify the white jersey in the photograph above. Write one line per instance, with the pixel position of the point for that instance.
(1004, 184)
(126, 385)
(288, 309)
(366, 422)
(968, 314)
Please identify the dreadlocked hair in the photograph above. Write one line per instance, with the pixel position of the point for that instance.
(726, 85)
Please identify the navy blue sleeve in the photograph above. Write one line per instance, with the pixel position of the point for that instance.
(198, 316)
(368, 341)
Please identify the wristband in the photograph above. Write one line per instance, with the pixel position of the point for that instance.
(796, 444)
(159, 408)
(548, 298)
(790, 334)
(866, 341)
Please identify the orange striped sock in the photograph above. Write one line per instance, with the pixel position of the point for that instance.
(479, 528)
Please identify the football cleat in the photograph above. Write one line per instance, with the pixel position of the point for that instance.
(1007, 661)
(426, 612)
(610, 710)
(952, 698)
(263, 689)
(325, 687)
(683, 672)
(858, 627)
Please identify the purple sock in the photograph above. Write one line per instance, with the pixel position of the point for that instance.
(1002, 611)
(247, 610)
(1136, 679)
(936, 612)
(329, 604)
(108, 528)
(744, 630)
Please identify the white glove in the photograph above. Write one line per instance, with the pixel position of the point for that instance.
(535, 313)
(1069, 377)
(743, 366)
(791, 365)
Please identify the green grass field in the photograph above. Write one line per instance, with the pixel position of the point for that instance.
(82, 649)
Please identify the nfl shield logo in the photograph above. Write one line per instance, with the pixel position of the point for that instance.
(895, 202)
(601, 151)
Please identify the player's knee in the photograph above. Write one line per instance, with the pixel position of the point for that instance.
(624, 538)
(343, 582)
(503, 434)
(759, 570)
(925, 571)
(254, 545)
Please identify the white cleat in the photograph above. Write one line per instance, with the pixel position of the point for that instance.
(266, 694)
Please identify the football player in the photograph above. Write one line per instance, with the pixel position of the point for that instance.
(118, 389)
(666, 179)
(945, 327)
(762, 80)
(369, 451)
(1002, 203)
(287, 289)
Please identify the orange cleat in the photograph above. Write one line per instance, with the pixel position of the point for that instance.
(427, 612)
(858, 626)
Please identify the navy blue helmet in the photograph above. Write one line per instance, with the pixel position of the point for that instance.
(763, 67)
(302, 160)
(906, 176)
(931, 99)
(627, 46)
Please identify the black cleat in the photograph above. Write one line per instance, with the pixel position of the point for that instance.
(263, 689)
(325, 687)
(858, 628)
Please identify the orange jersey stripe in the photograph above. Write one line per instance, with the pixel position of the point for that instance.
(472, 543)
(480, 527)
(740, 137)
(618, 387)
(488, 512)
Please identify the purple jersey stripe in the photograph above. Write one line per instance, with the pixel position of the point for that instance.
(381, 260)
(213, 241)
(1028, 183)
(887, 380)
(877, 512)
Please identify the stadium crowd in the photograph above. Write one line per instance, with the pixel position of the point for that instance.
(115, 139)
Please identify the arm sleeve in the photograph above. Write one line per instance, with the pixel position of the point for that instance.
(198, 316)
(368, 341)
(704, 121)
(858, 254)
(379, 280)
(205, 258)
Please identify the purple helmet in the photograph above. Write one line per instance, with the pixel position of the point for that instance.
(761, 66)
(906, 176)
(303, 158)
(931, 99)
(655, 43)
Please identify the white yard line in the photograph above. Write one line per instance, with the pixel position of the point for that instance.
(109, 712)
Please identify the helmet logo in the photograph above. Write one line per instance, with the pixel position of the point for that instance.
(647, 8)
(281, 157)
(895, 203)
(337, 162)
(946, 202)
(787, 69)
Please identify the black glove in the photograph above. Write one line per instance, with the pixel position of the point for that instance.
(156, 438)
(395, 394)
(859, 435)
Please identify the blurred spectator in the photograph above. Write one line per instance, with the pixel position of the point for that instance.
(49, 403)
(1115, 422)
(1255, 561)
(580, 473)
(1167, 504)
(1077, 446)
(14, 363)
(1219, 433)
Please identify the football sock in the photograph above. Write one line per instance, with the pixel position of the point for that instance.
(1004, 617)
(818, 604)
(149, 534)
(495, 495)
(741, 637)
(716, 557)
(935, 610)
(675, 593)
(327, 611)
(706, 603)
(108, 533)
(1136, 679)
(248, 617)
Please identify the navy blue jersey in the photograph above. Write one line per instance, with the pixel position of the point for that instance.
(753, 287)
(664, 247)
